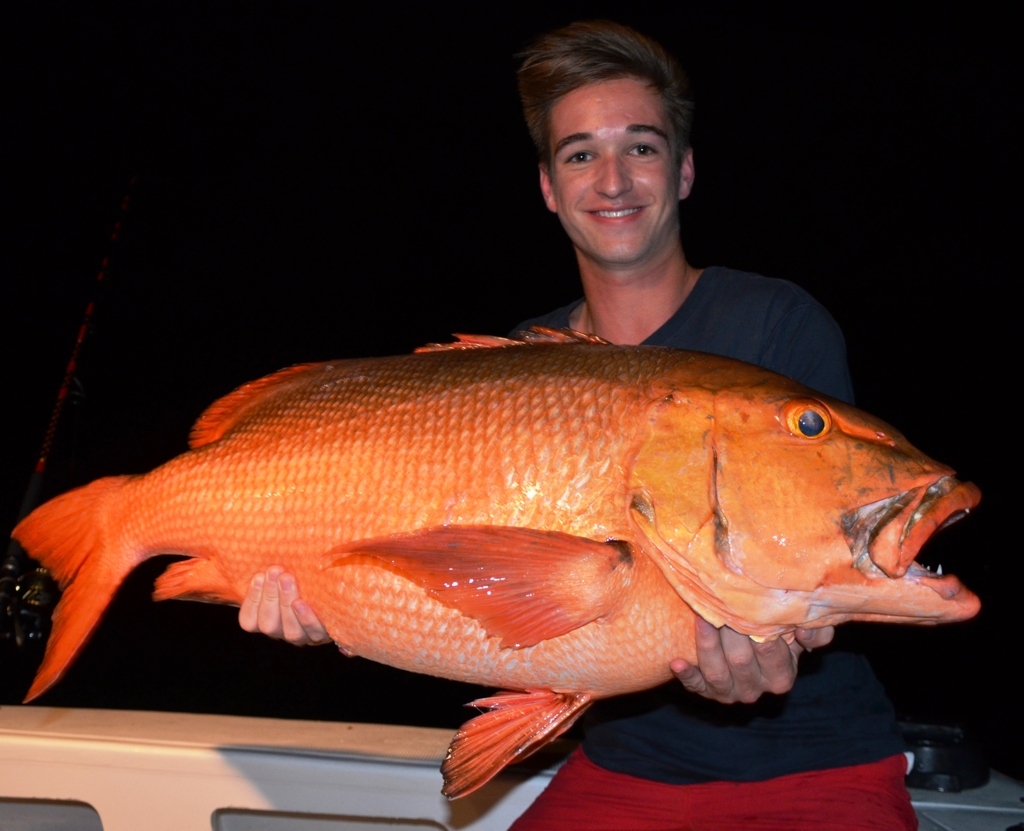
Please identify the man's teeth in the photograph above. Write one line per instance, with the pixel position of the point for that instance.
(616, 214)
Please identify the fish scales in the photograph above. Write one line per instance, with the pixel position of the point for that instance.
(544, 517)
(497, 476)
(567, 663)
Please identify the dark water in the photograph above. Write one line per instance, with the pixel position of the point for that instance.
(314, 185)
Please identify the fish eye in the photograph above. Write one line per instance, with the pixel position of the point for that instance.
(807, 418)
(811, 423)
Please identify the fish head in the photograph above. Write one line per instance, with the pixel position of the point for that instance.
(817, 497)
(814, 514)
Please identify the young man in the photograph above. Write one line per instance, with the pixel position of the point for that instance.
(609, 111)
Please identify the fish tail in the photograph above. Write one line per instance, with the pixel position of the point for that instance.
(71, 536)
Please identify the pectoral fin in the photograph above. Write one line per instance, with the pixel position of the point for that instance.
(522, 585)
(516, 724)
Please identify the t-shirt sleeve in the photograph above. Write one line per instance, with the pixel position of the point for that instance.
(807, 345)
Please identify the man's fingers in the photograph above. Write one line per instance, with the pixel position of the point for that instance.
(815, 638)
(746, 680)
(713, 661)
(311, 625)
(273, 607)
(268, 616)
(247, 612)
(773, 653)
(298, 623)
(689, 676)
(732, 668)
(777, 665)
(291, 628)
(740, 652)
(711, 667)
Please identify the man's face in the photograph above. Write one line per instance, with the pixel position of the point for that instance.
(611, 179)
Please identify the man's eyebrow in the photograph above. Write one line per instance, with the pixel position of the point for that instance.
(647, 128)
(571, 139)
(632, 128)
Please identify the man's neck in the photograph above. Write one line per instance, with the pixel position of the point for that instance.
(629, 307)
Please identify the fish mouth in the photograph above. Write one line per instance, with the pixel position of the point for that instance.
(886, 536)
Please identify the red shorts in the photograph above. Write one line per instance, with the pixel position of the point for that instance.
(585, 797)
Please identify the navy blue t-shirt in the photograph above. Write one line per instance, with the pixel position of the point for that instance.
(837, 713)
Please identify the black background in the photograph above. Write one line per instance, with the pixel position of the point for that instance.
(317, 182)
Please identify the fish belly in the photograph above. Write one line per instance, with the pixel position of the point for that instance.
(376, 614)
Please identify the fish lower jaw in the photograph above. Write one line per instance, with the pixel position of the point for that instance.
(919, 596)
(949, 588)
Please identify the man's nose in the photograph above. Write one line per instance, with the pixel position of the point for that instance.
(613, 178)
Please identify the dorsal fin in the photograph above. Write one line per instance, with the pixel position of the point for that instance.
(545, 334)
(223, 413)
(535, 334)
(468, 342)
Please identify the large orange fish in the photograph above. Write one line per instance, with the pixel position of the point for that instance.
(543, 517)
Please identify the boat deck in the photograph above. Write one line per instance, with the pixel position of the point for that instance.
(114, 770)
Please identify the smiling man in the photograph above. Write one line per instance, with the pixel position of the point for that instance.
(615, 180)
(609, 112)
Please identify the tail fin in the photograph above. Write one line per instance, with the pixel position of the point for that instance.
(70, 536)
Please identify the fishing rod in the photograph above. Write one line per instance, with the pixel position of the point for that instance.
(27, 592)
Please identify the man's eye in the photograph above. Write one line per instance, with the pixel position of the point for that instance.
(579, 157)
(644, 150)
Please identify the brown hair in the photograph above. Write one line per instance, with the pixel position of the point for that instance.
(588, 52)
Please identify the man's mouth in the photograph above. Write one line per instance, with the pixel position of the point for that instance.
(617, 214)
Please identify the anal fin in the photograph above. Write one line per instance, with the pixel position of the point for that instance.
(516, 724)
(196, 579)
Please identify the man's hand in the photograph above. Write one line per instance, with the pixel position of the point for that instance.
(732, 668)
(272, 606)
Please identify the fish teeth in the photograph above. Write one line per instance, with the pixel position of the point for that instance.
(938, 570)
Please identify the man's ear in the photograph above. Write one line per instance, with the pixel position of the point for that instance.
(547, 189)
(686, 174)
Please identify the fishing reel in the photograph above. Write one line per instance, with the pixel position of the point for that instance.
(28, 595)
